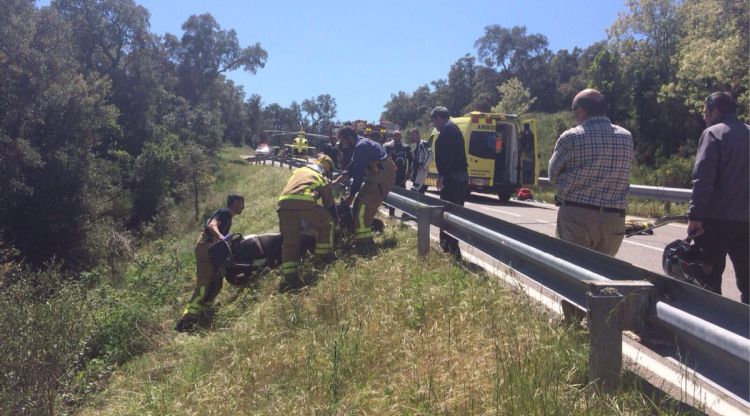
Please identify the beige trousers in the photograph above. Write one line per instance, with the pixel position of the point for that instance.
(597, 230)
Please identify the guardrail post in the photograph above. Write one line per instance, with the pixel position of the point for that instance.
(605, 338)
(425, 215)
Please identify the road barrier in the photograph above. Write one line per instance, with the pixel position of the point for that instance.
(706, 332)
(650, 192)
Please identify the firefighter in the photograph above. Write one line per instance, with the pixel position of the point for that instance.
(370, 160)
(298, 201)
(209, 278)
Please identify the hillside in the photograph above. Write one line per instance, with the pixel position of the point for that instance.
(391, 334)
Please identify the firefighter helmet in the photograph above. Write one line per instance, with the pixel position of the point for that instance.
(326, 162)
(684, 260)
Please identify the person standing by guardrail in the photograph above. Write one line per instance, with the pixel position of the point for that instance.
(400, 154)
(450, 160)
(591, 168)
(422, 158)
(719, 212)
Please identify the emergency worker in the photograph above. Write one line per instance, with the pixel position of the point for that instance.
(209, 279)
(298, 201)
(400, 154)
(370, 163)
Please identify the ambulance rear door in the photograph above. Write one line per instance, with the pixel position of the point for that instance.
(480, 152)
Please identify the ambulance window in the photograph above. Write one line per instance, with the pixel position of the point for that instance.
(482, 144)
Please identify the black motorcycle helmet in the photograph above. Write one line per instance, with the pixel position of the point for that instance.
(684, 260)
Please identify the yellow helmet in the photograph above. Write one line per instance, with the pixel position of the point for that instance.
(326, 162)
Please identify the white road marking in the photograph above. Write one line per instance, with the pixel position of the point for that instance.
(513, 214)
(643, 245)
(542, 221)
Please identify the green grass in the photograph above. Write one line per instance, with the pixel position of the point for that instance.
(390, 334)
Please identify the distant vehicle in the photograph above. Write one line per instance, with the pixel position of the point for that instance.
(501, 151)
(524, 194)
(263, 150)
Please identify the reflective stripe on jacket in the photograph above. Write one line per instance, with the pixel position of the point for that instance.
(307, 184)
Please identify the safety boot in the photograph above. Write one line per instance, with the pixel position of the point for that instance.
(290, 282)
(187, 323)
(365, 247)
(323, 259)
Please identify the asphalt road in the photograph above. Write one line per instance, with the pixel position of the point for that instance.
(642, 250)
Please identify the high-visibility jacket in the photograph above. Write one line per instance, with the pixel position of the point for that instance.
(306, 185)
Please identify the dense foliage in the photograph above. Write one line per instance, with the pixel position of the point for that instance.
(662, 58)
(103, 123)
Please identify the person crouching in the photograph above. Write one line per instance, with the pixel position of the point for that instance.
(299, 201)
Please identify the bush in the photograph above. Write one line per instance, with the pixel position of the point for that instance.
(675, 172)
(46, 314)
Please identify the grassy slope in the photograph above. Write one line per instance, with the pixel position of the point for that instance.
(392, 334)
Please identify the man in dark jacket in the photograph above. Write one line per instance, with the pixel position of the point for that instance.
(719, 211)
(450, 160)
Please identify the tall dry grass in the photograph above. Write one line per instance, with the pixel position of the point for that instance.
(389, 334)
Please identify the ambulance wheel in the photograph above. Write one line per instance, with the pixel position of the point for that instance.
(504, 196)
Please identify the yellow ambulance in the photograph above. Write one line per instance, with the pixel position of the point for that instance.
(501, 150)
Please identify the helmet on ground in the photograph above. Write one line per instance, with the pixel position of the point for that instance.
(326, 162)
(684, 260)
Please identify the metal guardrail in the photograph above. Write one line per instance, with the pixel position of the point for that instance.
(650, 192)
(705, 331)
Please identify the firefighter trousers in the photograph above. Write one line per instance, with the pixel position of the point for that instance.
(290, 216)
(380, 177)
(209, 281)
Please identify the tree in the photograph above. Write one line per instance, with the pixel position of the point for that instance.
(461, 78)
(485, 93)
(516, 98)
(205, 51)
(105, 32)
(510, 49)
(319, 113)
(523, 56)
(713, 52)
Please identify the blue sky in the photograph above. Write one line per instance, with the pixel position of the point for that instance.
(361, 52)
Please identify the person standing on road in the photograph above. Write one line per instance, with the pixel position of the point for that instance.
(718, 212)
(422, 157)
(209, 279)
(453, 174)
(591, 168)
(400, 154)
(370, 163)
